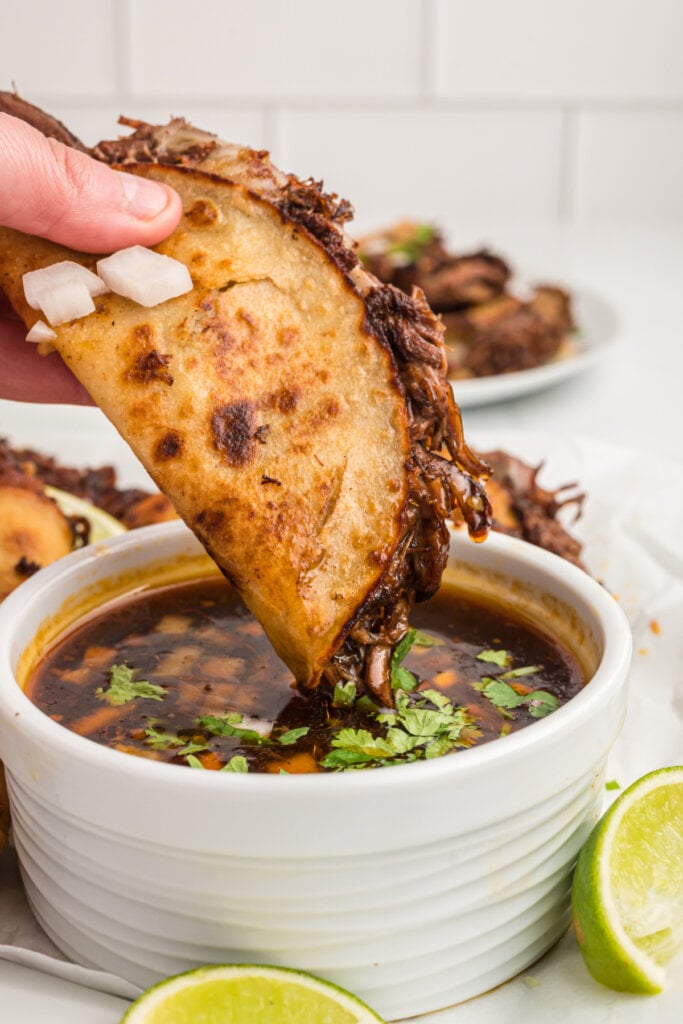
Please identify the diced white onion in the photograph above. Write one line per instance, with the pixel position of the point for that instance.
(37, 282)
(145, 276)
(67, 301)
(40, 332)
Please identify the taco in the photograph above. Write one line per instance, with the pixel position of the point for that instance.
(293, 409)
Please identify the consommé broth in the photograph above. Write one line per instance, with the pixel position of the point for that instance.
(185, 674)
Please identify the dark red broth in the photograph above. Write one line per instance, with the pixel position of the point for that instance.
(198, 683)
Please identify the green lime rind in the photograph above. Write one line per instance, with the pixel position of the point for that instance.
(610, 954)
(247, 994)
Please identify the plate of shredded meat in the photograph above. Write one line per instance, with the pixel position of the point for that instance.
(504, 337)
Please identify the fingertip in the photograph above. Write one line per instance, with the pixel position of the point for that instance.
(157, 217)
(148, 200)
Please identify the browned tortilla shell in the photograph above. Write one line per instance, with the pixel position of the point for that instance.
(259, 402)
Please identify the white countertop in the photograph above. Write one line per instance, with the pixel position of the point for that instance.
(628, 401)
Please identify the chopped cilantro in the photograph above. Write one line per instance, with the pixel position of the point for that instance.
(401, 678)
(421, 639)
(501, 658)
(410, 248)
(344, 694)
(517, 673)
(539, 702)
(424, 724)
(161, 740)
(123, 688)
(366, 704)
(229, 725)
(292, 735)
(238, 763)
(501, 694)
(402, 647)
(167, 741)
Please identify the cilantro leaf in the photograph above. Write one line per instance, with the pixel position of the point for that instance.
(292, 735)
(192, 748)
(410, 248)
(361, 741)
(122, 687)
(541, 703)
(401, 742)
(159, 740)
(402, 679)
(501, 658)
(228, 725)
(501, 694)
(421, 639)
(343, 759)
(517, 673)
(402, 647)
(238, 763)
(344, 694)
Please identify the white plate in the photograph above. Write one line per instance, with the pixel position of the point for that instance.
(598, 326)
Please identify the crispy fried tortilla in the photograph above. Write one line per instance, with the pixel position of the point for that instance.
(292, 409)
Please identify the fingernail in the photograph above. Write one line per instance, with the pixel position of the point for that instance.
(145, 199)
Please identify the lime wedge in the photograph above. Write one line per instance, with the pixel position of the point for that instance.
(627, 894)
(247, 994)
(102, 525)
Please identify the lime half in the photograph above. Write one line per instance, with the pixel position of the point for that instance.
(102, 525)
(247, 994)
(627, 894)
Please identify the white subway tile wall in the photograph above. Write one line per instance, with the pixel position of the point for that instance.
(535, 110)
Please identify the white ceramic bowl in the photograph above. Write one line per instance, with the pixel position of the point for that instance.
(415, 886)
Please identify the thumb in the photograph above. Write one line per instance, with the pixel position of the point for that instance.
(59, 193)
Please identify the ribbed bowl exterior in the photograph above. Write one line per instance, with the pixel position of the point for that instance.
(415, 887)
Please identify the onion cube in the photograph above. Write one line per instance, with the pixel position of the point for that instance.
(36, 282)
(66, 302)
(40, 332)
(145, 276)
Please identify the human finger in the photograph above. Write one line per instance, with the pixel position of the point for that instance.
(62, 194)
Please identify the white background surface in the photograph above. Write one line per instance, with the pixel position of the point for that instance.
(536, 109)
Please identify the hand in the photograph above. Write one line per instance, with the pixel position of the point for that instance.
(56, 192)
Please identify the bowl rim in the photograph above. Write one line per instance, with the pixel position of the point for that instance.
(17, 711)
